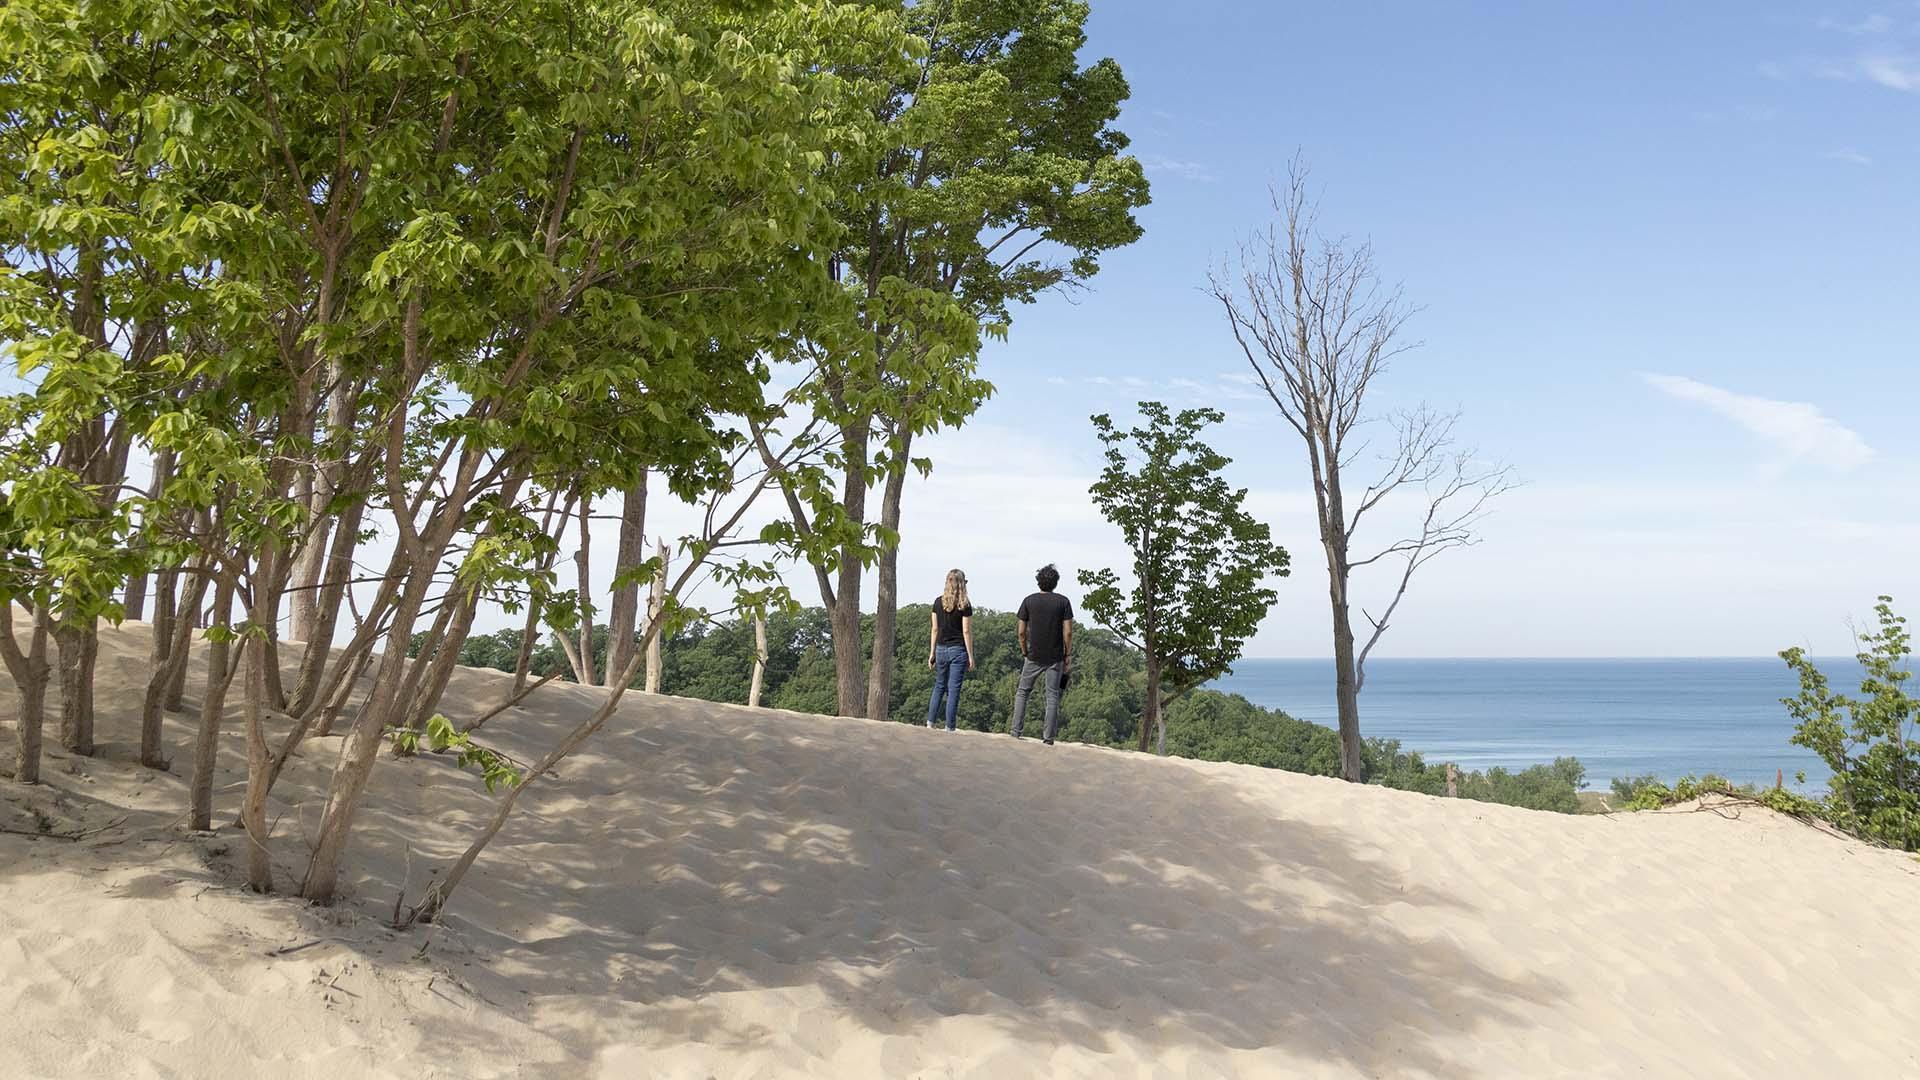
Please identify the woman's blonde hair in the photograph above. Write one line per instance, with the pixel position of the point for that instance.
(954, 596)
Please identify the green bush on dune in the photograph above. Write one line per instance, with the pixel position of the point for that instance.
(1867, 742)
(1537, 787)
(1651, 793)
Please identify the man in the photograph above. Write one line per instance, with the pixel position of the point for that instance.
(1046, 640)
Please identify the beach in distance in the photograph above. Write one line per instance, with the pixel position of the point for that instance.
(1621, 717)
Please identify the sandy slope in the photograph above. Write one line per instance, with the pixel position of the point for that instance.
(713, 891)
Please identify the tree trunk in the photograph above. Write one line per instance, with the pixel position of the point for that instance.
(158, 654)
(136, 600)
(568, 650)
(173, 697)
(85, 452)
(309, 561)
(315, 555)
(656, 607)
(1150, 707)
(523, 660)
(78, 640)
(31, 672)
(326, 610)
(172, 650)
(422, 662)
(134, 604)
(271, 569)
(352, 664)
(886, 599)
(446, 656)
(759, 660)
(363, 738)
(844, 616)
(1325, 462)
(583, 560)
(32, 720)
(1160, 727)
(187, 612)
(1346, 690)
(414, 560)
(206, 749)
(624, 614)
(253, 816)
(337, 704)
(276, 693)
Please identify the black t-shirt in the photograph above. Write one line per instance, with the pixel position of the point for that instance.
(1046, 614)
(949, 622)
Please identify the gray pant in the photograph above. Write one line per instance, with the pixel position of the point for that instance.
(1029, 671)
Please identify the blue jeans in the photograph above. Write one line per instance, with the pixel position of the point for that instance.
(949, 667)
(1029, 673)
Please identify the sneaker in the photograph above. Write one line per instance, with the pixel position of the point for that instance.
(1049, 742)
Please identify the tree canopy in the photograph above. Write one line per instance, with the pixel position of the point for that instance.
(1196, 589)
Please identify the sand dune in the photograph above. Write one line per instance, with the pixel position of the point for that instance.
(716, 891)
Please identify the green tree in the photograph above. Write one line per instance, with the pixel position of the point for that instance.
(694, 146)
(1199, 560)
(1001, 177)
(100, 241)
(1227, 727)
(1867, 740)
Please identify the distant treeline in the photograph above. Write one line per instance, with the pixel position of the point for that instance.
(714, 662)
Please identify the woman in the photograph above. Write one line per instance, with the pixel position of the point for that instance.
(950, 648)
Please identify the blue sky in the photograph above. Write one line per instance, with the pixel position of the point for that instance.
(1665, 255)
(1666, 260)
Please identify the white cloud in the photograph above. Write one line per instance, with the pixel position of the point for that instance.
(1055, 380)
(1798, 429)
(1870, 26)
(1848, 155)
(1894, 72)
(1186, 170)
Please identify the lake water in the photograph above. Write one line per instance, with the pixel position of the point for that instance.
(1619, 717)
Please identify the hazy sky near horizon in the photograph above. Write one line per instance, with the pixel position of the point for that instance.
(1665, 256)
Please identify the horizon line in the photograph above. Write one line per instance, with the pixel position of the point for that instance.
(1691, 656)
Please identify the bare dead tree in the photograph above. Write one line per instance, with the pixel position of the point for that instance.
(1318, 327)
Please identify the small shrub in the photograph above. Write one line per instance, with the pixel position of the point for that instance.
(1554, 787)
(495, 768)
(1650, 793)
(1626, 787)
(1868, 740)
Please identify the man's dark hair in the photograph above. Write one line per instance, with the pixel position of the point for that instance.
(1048, 578)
